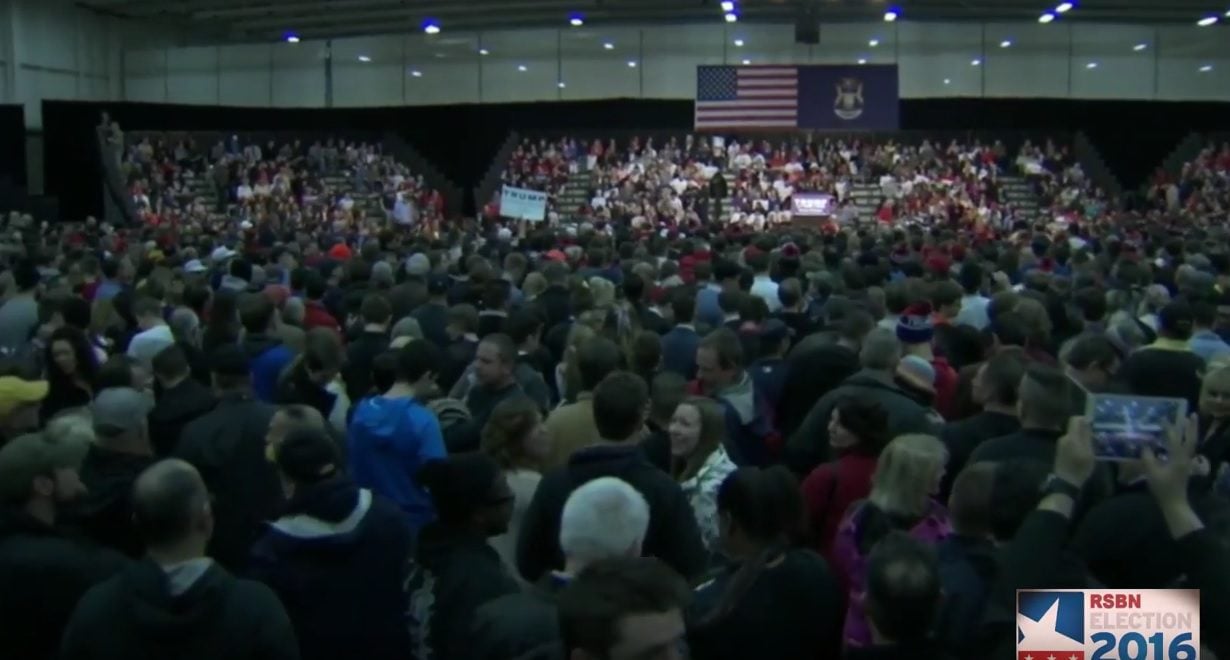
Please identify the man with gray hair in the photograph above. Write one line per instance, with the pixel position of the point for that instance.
(878, 357)
(604, 519)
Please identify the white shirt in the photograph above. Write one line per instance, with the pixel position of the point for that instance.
(764, 287)
(974, 311)
(148, 343)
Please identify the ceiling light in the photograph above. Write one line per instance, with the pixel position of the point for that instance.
(364, 58)
(1046, 18)
(631, 64)
(746, 62)
(521, 68)
(1005, 43)
(1091, 65)
(1228, 13)
(862, 60)
(417, 74)
(738, 43)
(731, 17)
(1140, 47)
(430, 26)
(609, 46)
(873, 43)
(1206, 68)
(561, 84)
(576, 20)
(975, 62)
(891, 15)
(1206, 21)
(1063, 7)
(947, 81)
(292, 38)
(483, 51)
(728, 6)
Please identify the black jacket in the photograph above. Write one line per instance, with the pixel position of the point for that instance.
(516, 624)
(227, 446)
(452, 574)
(337, 560)
(360, 354)
(296, 386)
(433, 321)
(457, 356)
(968, 568)
(176, 407)
(104, 513)
(134, 616)
(42, 576)
(556, 304)
(673, 535)
(964, 436)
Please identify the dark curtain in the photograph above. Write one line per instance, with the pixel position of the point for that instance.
(12, 156)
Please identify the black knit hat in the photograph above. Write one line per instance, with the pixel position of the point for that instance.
(460, 484)
(307, 456)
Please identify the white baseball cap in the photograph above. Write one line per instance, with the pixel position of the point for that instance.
(195, 266)
(221, 254)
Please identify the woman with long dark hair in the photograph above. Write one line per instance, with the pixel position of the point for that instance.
(775, 600)
(71, 369)
(699, 461)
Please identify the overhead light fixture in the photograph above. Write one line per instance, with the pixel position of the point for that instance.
(631, 64)
(608, 46)
(1091, 65)
(417, 74)
(891, 14)
(1228, 13)
(1206, 68)
(975, 62)
(746, 62)
(1046, 18)
(561, 84)
(862, 60)
(1206, 21)
(364, 58)
(738, 43)
(1140, 47)
(1006, 43)
(483, 51)
(292, 38)
(731, 17)
(947, 81)
(873, 43)
(1063, 7)
(728, 6)
(576, 20)
(522, 68)
(430, 26)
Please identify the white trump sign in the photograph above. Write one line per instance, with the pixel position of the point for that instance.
(523, 204)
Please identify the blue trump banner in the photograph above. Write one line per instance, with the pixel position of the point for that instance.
(848, 98)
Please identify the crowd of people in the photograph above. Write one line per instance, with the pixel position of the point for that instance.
(624, 439)
(285, 185)
(1202, 187)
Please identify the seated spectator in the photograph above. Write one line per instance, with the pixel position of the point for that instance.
(44, 571)
(699, 461)
(336, 557)
(267, 354)
(177, 602)
(604, 519)
(181, 399)
(455, 570)
(620, 402)
(393, 435)
(907, 476)
(623, 608)
(121, 450)
(773, 601)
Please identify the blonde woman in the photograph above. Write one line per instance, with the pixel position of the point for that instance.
(514, 437)
(699, 461)
(907, 476)
(1215, 416)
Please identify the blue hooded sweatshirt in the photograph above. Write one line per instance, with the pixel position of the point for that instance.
(267, 358)
(390, 440)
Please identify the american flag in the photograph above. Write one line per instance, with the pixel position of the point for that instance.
(747, 97)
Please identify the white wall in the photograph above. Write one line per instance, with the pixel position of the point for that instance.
(935, 60)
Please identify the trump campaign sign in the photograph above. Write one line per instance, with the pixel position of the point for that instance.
(1108, 624)
(523, 203)
(811, 204)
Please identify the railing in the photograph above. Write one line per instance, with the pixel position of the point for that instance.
(491, 180)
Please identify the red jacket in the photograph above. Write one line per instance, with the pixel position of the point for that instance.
(316, 316)
(829, 491)
(946, 381)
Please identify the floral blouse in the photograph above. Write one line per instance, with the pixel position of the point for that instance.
(701, 491)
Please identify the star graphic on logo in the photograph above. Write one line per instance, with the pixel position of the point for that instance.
(1042, 634)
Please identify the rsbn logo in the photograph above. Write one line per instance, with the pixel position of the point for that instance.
(1146, 624)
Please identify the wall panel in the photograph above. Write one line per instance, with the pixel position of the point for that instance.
(523, 65)
(590, 70)
(1193, 63)
(1121, 71)
(672, 53)
(368, 71)
(447, 66)
(192, 75)
(299, 74)
(245, 75)
(1027, 59)
(938, 59)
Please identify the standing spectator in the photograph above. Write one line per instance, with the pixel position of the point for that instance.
(763, 286)
(996, 388)
(455, 570)
(155, 334)
(44, 572)
(336, 557)
(177, 602)
(20, 400)
(720, 373)
(120, 452)
(227, 448)
(571, 426)
(699, 461)
(361, 352)
(1167, 367)
(680, 343)
(857, 432)
(181, 399)
(433, 314)
(222, 328)
(916, 331)
(620, 403)
(312, 379)
(774, 600)
(973, 304)
(462, 346)
(815, 368)
(515, 438)
(267, 354)
(72, 373)
(907, 475)
(494, 366)
(19, 314)
(903, 599)
(317, 315)
(393, 435)
(631, 607)
(1205, 342)
(604, 519)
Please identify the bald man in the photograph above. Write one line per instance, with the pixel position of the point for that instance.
(177, 602)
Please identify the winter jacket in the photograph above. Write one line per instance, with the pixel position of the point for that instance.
(336, 559)
(389, 442)
(672, 536)
(968, 568)
(751, 438)
(701, 490)
(176, 407)
(267, 359)
(516, 624)
(104, 512)
(138, 615)
(829, 491)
